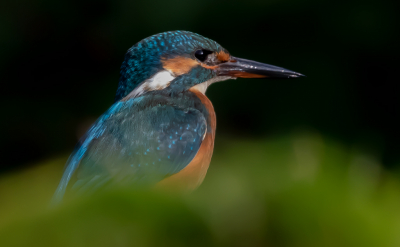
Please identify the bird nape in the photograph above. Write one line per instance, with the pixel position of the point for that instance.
(160, 130)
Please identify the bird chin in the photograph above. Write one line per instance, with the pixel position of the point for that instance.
(202, 87)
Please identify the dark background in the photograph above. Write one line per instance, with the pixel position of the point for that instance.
(59, 68)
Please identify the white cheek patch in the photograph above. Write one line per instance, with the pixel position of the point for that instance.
(158, 81)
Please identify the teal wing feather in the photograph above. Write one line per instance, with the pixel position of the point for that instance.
(134, 145)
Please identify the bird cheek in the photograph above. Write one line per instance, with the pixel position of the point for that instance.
(179, 65)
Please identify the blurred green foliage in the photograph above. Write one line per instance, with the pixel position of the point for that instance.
(295, 190)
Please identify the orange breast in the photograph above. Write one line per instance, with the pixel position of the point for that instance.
(193, 174)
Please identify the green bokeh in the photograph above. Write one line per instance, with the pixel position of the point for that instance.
(297, 190)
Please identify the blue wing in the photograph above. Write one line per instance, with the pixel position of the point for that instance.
(134, 143)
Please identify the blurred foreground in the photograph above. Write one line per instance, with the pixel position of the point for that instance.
(298, 190)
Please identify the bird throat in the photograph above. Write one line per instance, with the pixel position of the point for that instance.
(202, 87)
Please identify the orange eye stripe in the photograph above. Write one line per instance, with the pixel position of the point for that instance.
(179, 65)
(208, 67)
(182, 65)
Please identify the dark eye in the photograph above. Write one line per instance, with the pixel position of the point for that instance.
(202, 54)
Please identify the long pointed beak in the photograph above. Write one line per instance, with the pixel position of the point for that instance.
(243, 68)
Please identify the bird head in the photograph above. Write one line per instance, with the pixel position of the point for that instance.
(179, 60)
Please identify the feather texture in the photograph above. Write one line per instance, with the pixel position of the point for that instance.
(136, 142)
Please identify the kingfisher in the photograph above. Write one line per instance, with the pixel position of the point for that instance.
(160, 130)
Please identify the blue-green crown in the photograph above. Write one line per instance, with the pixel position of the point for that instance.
(144, 58)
